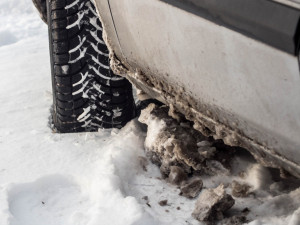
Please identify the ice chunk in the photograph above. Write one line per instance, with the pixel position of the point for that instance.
(212, 203)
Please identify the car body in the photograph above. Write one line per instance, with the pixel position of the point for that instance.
(229, 66)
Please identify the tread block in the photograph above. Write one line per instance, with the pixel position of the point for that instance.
(63, 89)
(74, 55)
(60, 47)
(77, 67)
(117, 90)
(64, 97)
(59, 24)
(72, 19)
(66, 81)
(59, 4)
(61, 59)
(74, 30)
(64, 112)
(69, 125)
(65, 105)
(58, 14)
(75, 42)
(67, 118)
(59, 35)
(80, 103)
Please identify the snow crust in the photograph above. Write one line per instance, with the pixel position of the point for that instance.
(93, 178)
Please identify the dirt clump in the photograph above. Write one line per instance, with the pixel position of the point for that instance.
(163, 202)
(240, 190)
(177, 175)
(212, 203)
(192, 188)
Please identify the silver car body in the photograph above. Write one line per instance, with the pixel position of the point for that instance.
(233, 86)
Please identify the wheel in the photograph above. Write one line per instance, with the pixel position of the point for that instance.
(87, 95)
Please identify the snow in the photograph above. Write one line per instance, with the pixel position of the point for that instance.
(92, 178)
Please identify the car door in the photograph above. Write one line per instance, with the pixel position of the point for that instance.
(237, 60)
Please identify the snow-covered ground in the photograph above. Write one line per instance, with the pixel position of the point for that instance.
(92, 178)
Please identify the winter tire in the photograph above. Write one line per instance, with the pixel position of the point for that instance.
(87, 95)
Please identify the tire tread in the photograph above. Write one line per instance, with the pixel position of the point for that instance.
(87, 94)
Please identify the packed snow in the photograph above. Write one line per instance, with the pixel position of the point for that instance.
(100, 178)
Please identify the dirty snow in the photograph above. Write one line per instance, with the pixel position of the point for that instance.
(95, 178)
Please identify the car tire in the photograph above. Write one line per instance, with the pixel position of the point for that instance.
(87, 95)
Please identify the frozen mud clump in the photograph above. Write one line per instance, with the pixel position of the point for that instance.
(212, 203)
(163, 202)
(240, 190)
(171, 143)
(192, 188)
(177, 175)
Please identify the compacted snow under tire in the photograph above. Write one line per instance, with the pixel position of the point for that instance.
(103, 177)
